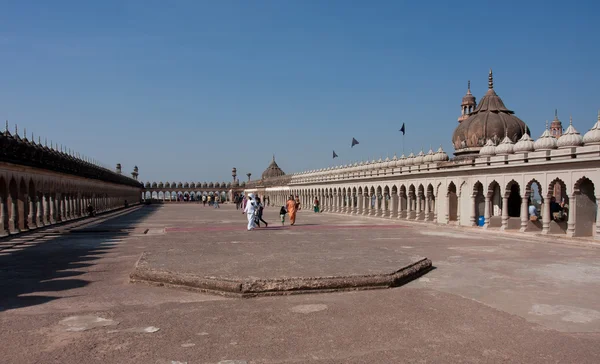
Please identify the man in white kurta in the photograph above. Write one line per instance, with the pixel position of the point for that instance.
(250, 211)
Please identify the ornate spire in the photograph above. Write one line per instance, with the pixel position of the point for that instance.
(570, 120)
(469, 87)
(555, 114)
(6, 126)
(16, 130)
(490, 80)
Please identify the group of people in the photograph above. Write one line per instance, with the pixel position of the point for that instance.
(211, 200)
(253, 208)
(558, 211)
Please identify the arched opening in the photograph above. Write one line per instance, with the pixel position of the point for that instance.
(514, 200)
(403, 202)
(479, 201)
(372, 200)
(420, 203)
(585, 209)
(31, 205)
(13, 219)
(452, 203)
(412, 202)
(386, 201)
(494, 199)
(559, 207)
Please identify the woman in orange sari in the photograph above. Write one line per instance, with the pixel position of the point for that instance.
(291, 209)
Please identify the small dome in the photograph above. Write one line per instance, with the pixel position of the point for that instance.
(211, 185)
(167, 185)
(429, 157)
(419, 158)
(489, 149)
(147, 184)
(570, 138)
(440, 155)
(505, 147)
(186, 185)
(525, 144)
(180, 185)
(546, 141)
(402, 160)
(160, 185)
(411, 159)
(592, 137)
(192, 185)
(154, 185)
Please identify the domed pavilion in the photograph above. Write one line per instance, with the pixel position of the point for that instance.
(272, 170)
(490, 120)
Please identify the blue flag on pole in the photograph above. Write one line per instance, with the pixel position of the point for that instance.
(402, 129)
(334, 155)
(354, 142)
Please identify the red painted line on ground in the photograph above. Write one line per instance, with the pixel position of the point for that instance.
(287, 227)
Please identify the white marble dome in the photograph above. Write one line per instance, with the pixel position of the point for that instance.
(419, 158)
(402, 160)
(524, 145)
(505, 147)
(440, 155)
(411, 159)
(545, 142)
(429, 157)
(592, 137)
(570, 138)
(489, 149)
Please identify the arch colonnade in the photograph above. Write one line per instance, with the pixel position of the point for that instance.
(36, 198)
(568, 201)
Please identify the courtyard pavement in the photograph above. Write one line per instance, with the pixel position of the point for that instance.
(65, 296)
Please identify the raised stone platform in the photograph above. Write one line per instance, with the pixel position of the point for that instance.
(146, 271)
(221, 257)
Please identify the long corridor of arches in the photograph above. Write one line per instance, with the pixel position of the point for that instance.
(565, 205)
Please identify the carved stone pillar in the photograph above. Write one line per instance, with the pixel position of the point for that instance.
(52, 203)
(486, 211)
(427, 206)
(473, 218)
(597, 236)
(572, 215)
(418, 209)
(505, 212)
(525, 214)
(3, 227)
(394, 206)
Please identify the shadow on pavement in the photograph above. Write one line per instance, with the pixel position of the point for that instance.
(48, 262)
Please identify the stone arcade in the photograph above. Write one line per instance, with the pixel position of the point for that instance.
(496, 170)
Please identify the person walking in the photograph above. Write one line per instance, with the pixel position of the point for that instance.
(291, 209)
(259, 213)
(282, 212)
(204, 200)
(316, 205)
(244, 203)
(217, 198)
(250, 211)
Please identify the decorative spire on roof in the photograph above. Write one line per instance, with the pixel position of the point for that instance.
(490, 80)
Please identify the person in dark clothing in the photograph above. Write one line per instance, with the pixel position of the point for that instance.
(259, 213)
(282, 213)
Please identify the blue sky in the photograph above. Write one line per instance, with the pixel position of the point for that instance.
(189, 89)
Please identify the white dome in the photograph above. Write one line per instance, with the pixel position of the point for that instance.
(546, 141)
(505, 147)
(488, 149)
(419, 158)
(388, 164)
(395, 161)
(440, 155)
(592, 137)
(570, 138)
(402, 160)
(411, 159)
(525, 144)
(429, 157)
